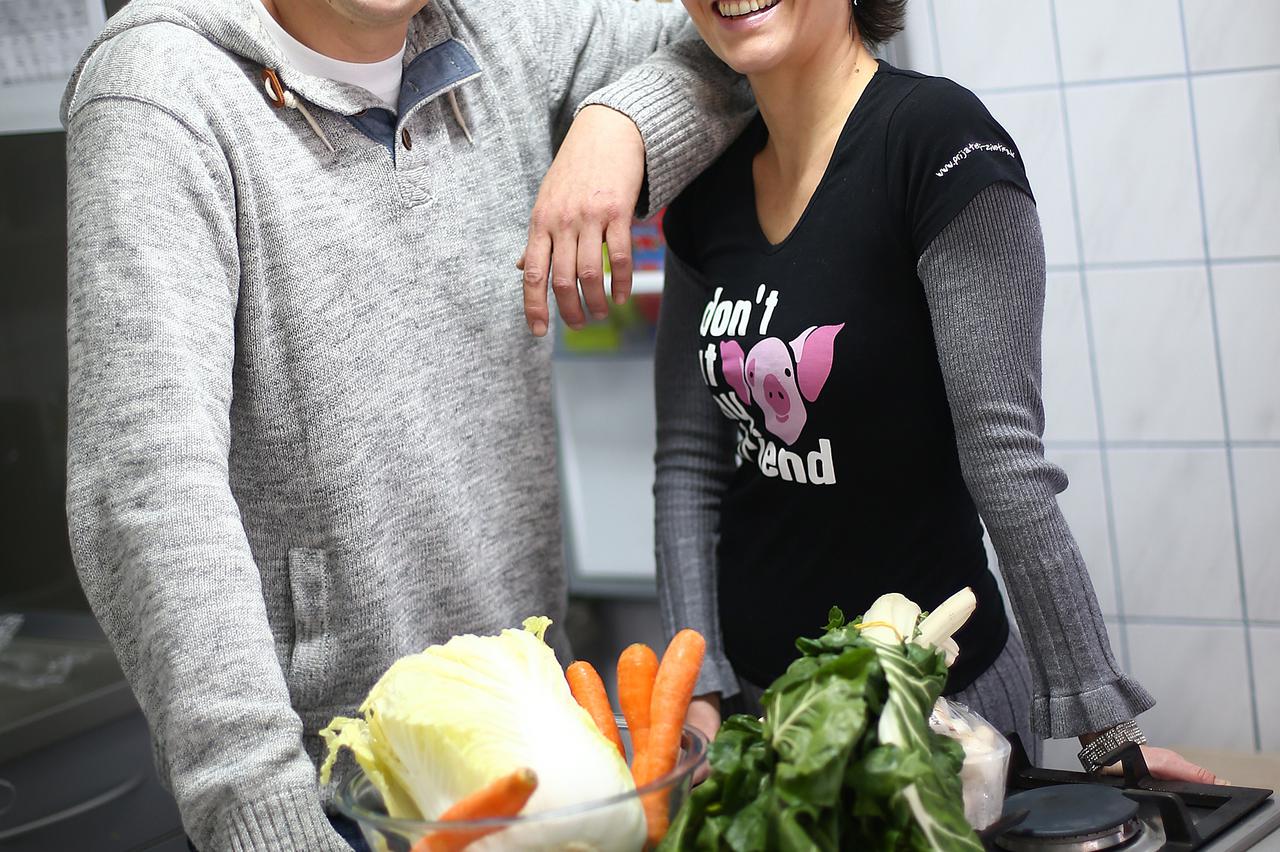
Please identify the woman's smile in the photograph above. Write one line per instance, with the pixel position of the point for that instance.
(738, 13)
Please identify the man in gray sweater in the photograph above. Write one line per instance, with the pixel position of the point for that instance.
(309, 430)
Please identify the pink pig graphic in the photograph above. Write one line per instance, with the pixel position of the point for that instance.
(781, 376)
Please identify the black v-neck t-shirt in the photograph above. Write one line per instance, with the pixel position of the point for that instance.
(821, 350)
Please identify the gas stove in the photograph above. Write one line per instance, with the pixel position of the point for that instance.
(1050, 810)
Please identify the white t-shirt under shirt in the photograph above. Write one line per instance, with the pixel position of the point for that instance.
(381, 78)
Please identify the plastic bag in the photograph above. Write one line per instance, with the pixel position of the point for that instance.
(986, 759)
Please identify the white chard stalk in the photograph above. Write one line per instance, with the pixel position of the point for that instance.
(937, 629)
(951, 650)
(891, 619)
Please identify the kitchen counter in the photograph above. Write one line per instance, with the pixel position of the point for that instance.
(75, 747)
(1240, 768)
(1245, 770)
(1259, 832)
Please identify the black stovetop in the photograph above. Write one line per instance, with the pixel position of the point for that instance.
(1191, 816)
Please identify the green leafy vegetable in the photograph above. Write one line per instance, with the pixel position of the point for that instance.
(844, 757)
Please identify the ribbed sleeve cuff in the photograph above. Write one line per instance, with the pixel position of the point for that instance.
(1100, 708)
(1079, 688)
(673, 155)
(717, 676)
(291, 819)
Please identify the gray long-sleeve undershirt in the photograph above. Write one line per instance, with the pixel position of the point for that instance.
(984, 279)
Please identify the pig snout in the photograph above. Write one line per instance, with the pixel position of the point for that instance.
(776, 396)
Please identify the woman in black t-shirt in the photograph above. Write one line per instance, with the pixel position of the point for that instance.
(848, 375)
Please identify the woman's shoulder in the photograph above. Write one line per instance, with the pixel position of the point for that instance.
(921, 101)
(942, 148)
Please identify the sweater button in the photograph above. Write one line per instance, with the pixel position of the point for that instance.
(406, 139)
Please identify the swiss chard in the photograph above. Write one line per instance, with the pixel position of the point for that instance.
(844, 758)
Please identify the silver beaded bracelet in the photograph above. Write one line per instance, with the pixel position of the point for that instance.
(1108, 741)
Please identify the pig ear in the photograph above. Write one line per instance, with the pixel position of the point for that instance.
(731, 358)
(813, 350)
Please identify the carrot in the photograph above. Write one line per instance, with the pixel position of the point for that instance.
(502, 797)
(637, 668)
(588, 690)
(672, 692)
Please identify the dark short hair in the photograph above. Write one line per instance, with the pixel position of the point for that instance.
(878, 20)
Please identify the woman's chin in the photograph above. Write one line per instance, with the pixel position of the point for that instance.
(750, 59)
(752, 66)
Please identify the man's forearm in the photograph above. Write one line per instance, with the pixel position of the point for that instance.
(688, 106)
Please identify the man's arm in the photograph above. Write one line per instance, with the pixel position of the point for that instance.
(666, 118)
(153, 277)
(589, 44)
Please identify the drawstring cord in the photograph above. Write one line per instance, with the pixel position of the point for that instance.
(457, 115)
(282, 97)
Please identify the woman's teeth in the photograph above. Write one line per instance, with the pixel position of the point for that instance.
(737, 8)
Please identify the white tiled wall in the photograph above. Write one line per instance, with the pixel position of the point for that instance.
(1070, 412)
(1257, 472)
(1153, 342)
(1238, 131)
(1150, 130)
(1248, 301)
(1266, 646)
(1164, 655)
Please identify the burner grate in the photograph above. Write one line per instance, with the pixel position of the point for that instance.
(1071, 818)
(1098, 842)
(1167, 822)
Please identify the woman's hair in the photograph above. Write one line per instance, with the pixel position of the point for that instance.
(878, 20)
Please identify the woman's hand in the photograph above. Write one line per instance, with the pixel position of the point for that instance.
(587, 198)
(1166, 765)
(704, 716)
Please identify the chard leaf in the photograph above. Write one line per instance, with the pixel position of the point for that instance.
(815, 725)
(937, 817)
(844, 759)
(934, 799)
(802, 828)
(749, 831)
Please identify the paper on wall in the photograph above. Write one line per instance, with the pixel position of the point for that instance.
(40, 43)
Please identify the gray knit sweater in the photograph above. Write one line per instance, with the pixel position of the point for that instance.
(983, 278)
(309, 430)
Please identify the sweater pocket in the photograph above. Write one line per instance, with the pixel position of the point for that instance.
(310, 670)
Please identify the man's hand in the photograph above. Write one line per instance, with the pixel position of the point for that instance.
(587, 198)
(704, 716)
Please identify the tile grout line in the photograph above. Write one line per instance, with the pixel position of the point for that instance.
(1187, 621)
(1267, 623)
(1118, 81)
(1176, 263)
(1085, 444)
(1108, 499)
(1222, 386)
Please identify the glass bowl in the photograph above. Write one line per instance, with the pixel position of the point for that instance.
(359, 800)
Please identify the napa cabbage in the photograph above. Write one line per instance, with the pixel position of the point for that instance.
(441, 724)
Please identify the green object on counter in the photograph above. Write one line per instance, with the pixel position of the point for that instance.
(844, 758)
(610, 334)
